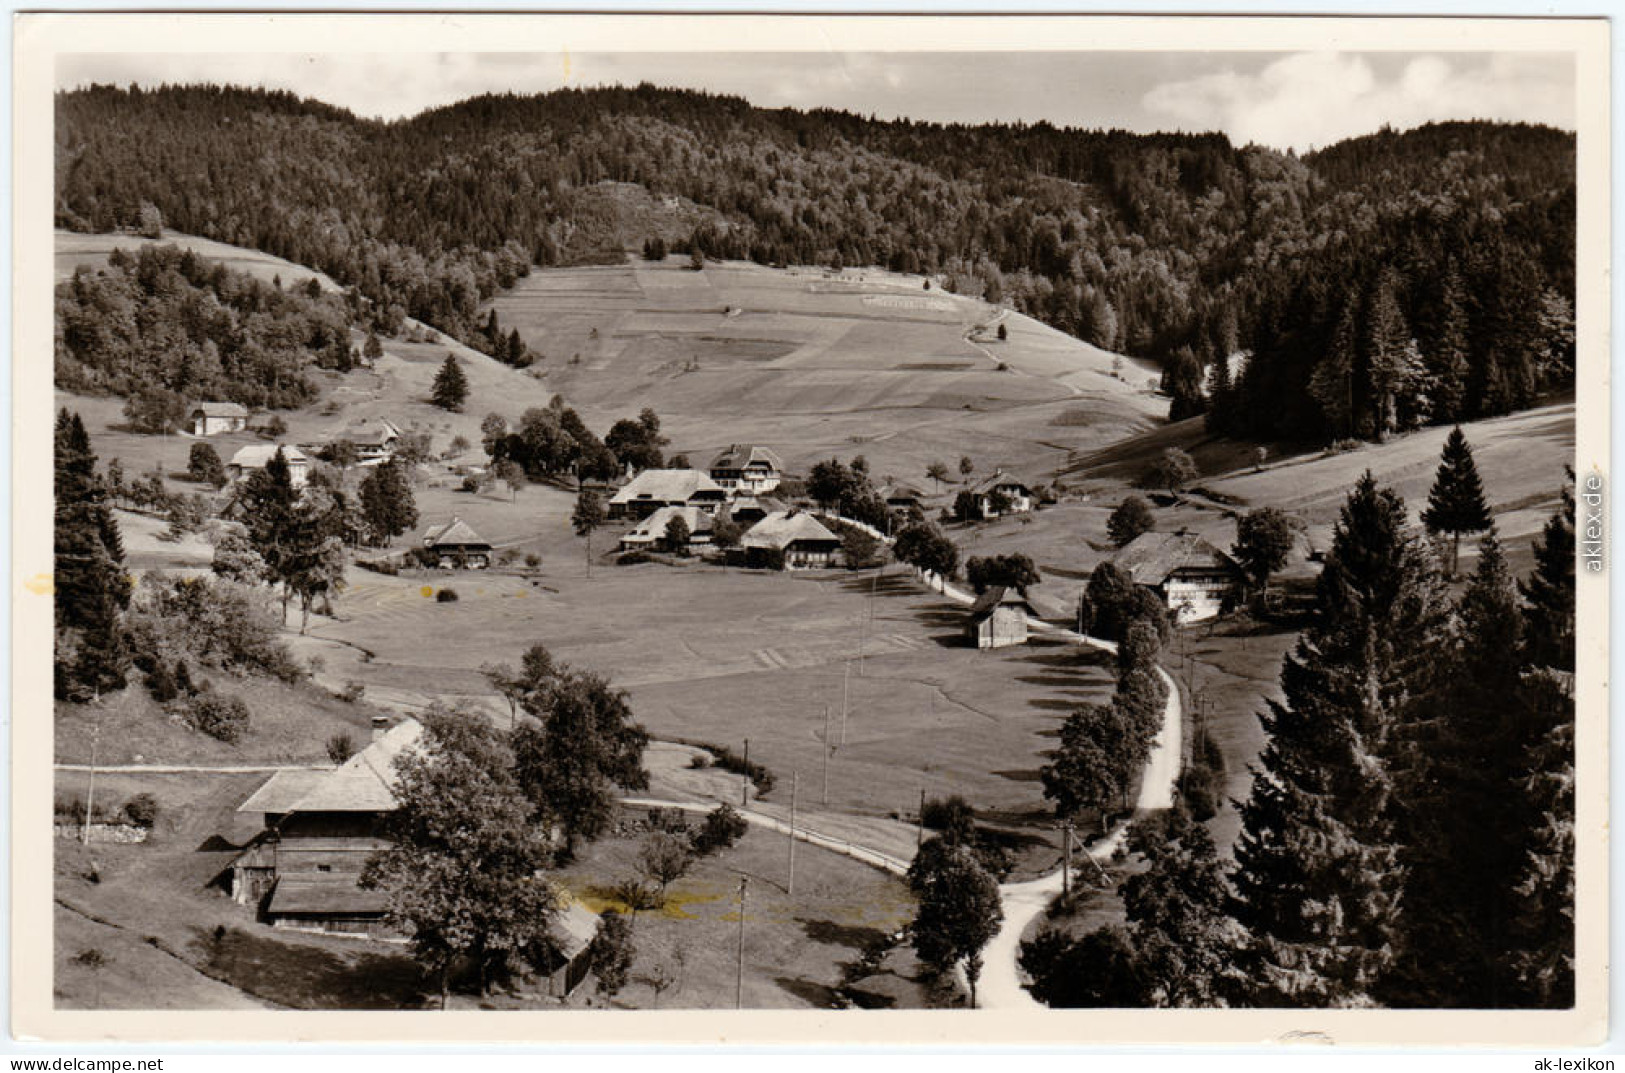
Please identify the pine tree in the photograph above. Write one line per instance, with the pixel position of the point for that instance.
(1447, 350)
(91, 588)
(1544, 960)
(1456, 501)
(450, 385)
(1465, 819)
(1332, 383)
(1316, 874)
(1550, 591)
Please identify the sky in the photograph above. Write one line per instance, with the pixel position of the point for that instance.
(1299, 100)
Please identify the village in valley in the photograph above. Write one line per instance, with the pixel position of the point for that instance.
(690, 628)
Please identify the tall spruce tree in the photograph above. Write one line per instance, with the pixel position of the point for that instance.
(91, 587)
(1464, 817)
(1317, 880)
(450, 388)
(1456, 501)
(1550, 590)
(1544, 959)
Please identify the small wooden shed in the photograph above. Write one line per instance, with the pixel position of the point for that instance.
(998, 618)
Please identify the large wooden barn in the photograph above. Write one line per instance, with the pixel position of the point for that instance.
(319, 829)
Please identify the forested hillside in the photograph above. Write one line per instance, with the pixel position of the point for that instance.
(1385, 282)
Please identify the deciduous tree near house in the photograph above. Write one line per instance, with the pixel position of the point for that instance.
(387, 503)
(580, 745)
(676, 536)
(1132, 518)
(1264, 539)
(462, 870)
(1172, 471)
(587, 516)
(938, 472)
(611, 952)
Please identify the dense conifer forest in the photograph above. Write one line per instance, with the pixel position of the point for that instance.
(1385, 282)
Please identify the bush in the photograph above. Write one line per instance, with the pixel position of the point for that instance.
(142, 810)
(633, 558)
(221, 717)
(471, 484)
(340, 747)
(700, 761)
(951, 815)
(446, 596)
(722, 828)
(276, 427)
(218, 622)
(352, 692)
(728, 760)
(533, 560)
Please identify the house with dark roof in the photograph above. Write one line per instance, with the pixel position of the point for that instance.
(745, 468)
(1194, 579)
(375, 442)
(747, 510)
(902, 497)
(319, 827)
(212, 418)
(651, 532)
(998, 618)
(456, 546)
(1017, 497)
(656, 488)
(795, 538)
(258, 455)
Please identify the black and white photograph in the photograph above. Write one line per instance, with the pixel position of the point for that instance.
(1058, 520)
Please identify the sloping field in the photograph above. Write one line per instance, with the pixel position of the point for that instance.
(816, 364)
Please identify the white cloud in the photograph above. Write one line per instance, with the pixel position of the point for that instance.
(1311, 99)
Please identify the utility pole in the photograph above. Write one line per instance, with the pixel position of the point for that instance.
(919, 839)
(795, 787)
(739, 973)
(95, 740)
(845, 693)
(1066, 859)
(744, 778)
(828, 748)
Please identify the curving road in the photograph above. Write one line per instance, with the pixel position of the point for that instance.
(1000, 987)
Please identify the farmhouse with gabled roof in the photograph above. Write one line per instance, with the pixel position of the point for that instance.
(1017, 496)
(457, 545)
(319, 829)
(258, 456)
(747, 468)
(797, 536)
(656, 488)
(1194, 579)
(211, 418)
(652, 530)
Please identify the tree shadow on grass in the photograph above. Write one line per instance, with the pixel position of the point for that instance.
(815, 994)
(855, 936)
(1048, 704)
(307, 976)
(1013, 775)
